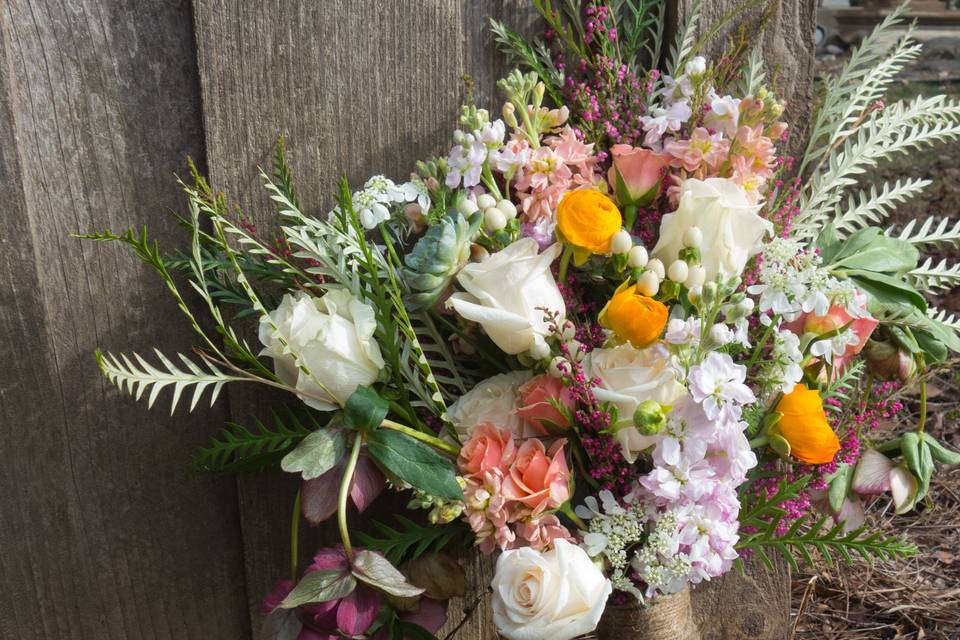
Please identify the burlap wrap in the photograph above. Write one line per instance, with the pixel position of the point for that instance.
(669, 618)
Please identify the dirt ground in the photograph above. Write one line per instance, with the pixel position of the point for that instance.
(916, 598)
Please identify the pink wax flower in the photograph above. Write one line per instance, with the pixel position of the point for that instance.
(540, 533)
(348, 616)
(538, 479)
(489, 447)
(538, 397)
(701, 149)
(636, 174)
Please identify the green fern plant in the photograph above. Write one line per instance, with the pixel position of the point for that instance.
(411, 540)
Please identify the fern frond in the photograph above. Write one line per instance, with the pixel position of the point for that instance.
(945, 319)
(843, 386)
(411, 540)
(866, 209)
(929, 235)
(849, 92)
(683, 46)
(135, 378)
(929, 277)
(240, 449)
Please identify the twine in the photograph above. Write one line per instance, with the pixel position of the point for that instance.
(668, 618)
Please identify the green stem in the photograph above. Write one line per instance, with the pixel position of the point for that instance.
(425, 438)
(629, 217)
(295, 538)
(923, 406)
(565, 264)
(490, 182)
(532, 134)
(568, 511)
(763, 342)
(345, 483)
(759, 441)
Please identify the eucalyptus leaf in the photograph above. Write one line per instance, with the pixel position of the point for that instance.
(376, 571)
(316, 454)
(365, 409)
(320, 586)
(415, 463)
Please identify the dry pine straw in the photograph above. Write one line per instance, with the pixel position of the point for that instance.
(915, 598)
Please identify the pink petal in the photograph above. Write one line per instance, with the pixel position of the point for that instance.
(431, 616)
(273, 599)
(872, 475)
(319, 497)
(329, 559)
(851, 514)
(903, 486)
(368, 482)
(357, 611)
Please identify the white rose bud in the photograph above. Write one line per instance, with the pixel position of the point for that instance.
(492, 400)
(621, 242)
(509, 209)
(558, 594)
(486, 201)
(648, 283)
(696, 276)
(656, 266)
(678, 271)
(467, 207)
(693, 238)
(493, 219)
(637, 258)
(568, 331)
(573, 348)
(558, 366)
(333, 337)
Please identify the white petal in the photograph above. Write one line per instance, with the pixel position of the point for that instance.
(872, 475)
(903, 486)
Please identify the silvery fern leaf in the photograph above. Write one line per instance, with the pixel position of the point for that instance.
(929, 277)
(872, 208)
(945, 232)
(945, 319)
(136, 377)
(753, 75)
(849, 92)
(686, 40)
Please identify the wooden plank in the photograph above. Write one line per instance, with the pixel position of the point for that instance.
(103, 537)
(358, 87)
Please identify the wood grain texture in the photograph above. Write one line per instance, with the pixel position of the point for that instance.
(103, 535)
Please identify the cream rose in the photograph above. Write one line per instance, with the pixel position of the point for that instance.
(731, 228)
(494, 400)
(507, 292)
(333, 338)
(556, 595)
(629, 376)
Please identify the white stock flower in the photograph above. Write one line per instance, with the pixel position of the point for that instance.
(628, 376)
(718, 383)
(493, 400)
(731, 228)
(559, 594)
(333, 338)
(508, 292)
(724, 115)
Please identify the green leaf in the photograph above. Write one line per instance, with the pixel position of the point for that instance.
(828, 242)
(415, 463)
(365, 409)
(411, 540)
(926, 469)
(870, 250)
(940, 452)
(839, 485)
(320, 586)
(316, 454)
(376, 571)
(886, 289)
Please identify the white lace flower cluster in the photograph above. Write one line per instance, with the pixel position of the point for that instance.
(780, 368)
(658, 562)
(612, 531)
(792, 281)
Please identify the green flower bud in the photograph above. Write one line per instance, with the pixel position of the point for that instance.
(650, 418)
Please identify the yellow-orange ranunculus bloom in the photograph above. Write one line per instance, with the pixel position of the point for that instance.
(588, 220)
(804, 425)
(634, 317)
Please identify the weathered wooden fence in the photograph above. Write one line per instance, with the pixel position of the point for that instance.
(102, 534)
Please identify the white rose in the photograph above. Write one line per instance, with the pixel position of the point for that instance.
(493, 400)
(629, 376)
(333, 338)
(731, 228)
(507, 292)
(556, 595)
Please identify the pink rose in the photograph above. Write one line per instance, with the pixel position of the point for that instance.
(538, 399)
(489, 447)
(635, 174)
(538, 479)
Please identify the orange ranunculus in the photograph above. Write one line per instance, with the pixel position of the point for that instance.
(587, 220)
(804, 425)
(634, 317)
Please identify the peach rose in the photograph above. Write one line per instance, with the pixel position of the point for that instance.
(538, 479)
(635, 174)
(538, 397)
(488, 448)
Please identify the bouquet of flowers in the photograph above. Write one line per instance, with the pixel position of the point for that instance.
(615, 335)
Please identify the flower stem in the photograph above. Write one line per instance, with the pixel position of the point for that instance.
(565, 264)
(629, 217)
(425, 438)
(923, 406)
(568, 511)
(295, 538)
(763, 342)
(759, 441)
(345, 483)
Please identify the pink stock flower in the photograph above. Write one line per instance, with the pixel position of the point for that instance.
(537, 398)
(636, 174)
(487, 511)
(701, 149)
(538, 479)
(489, 447)
(540, 533)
